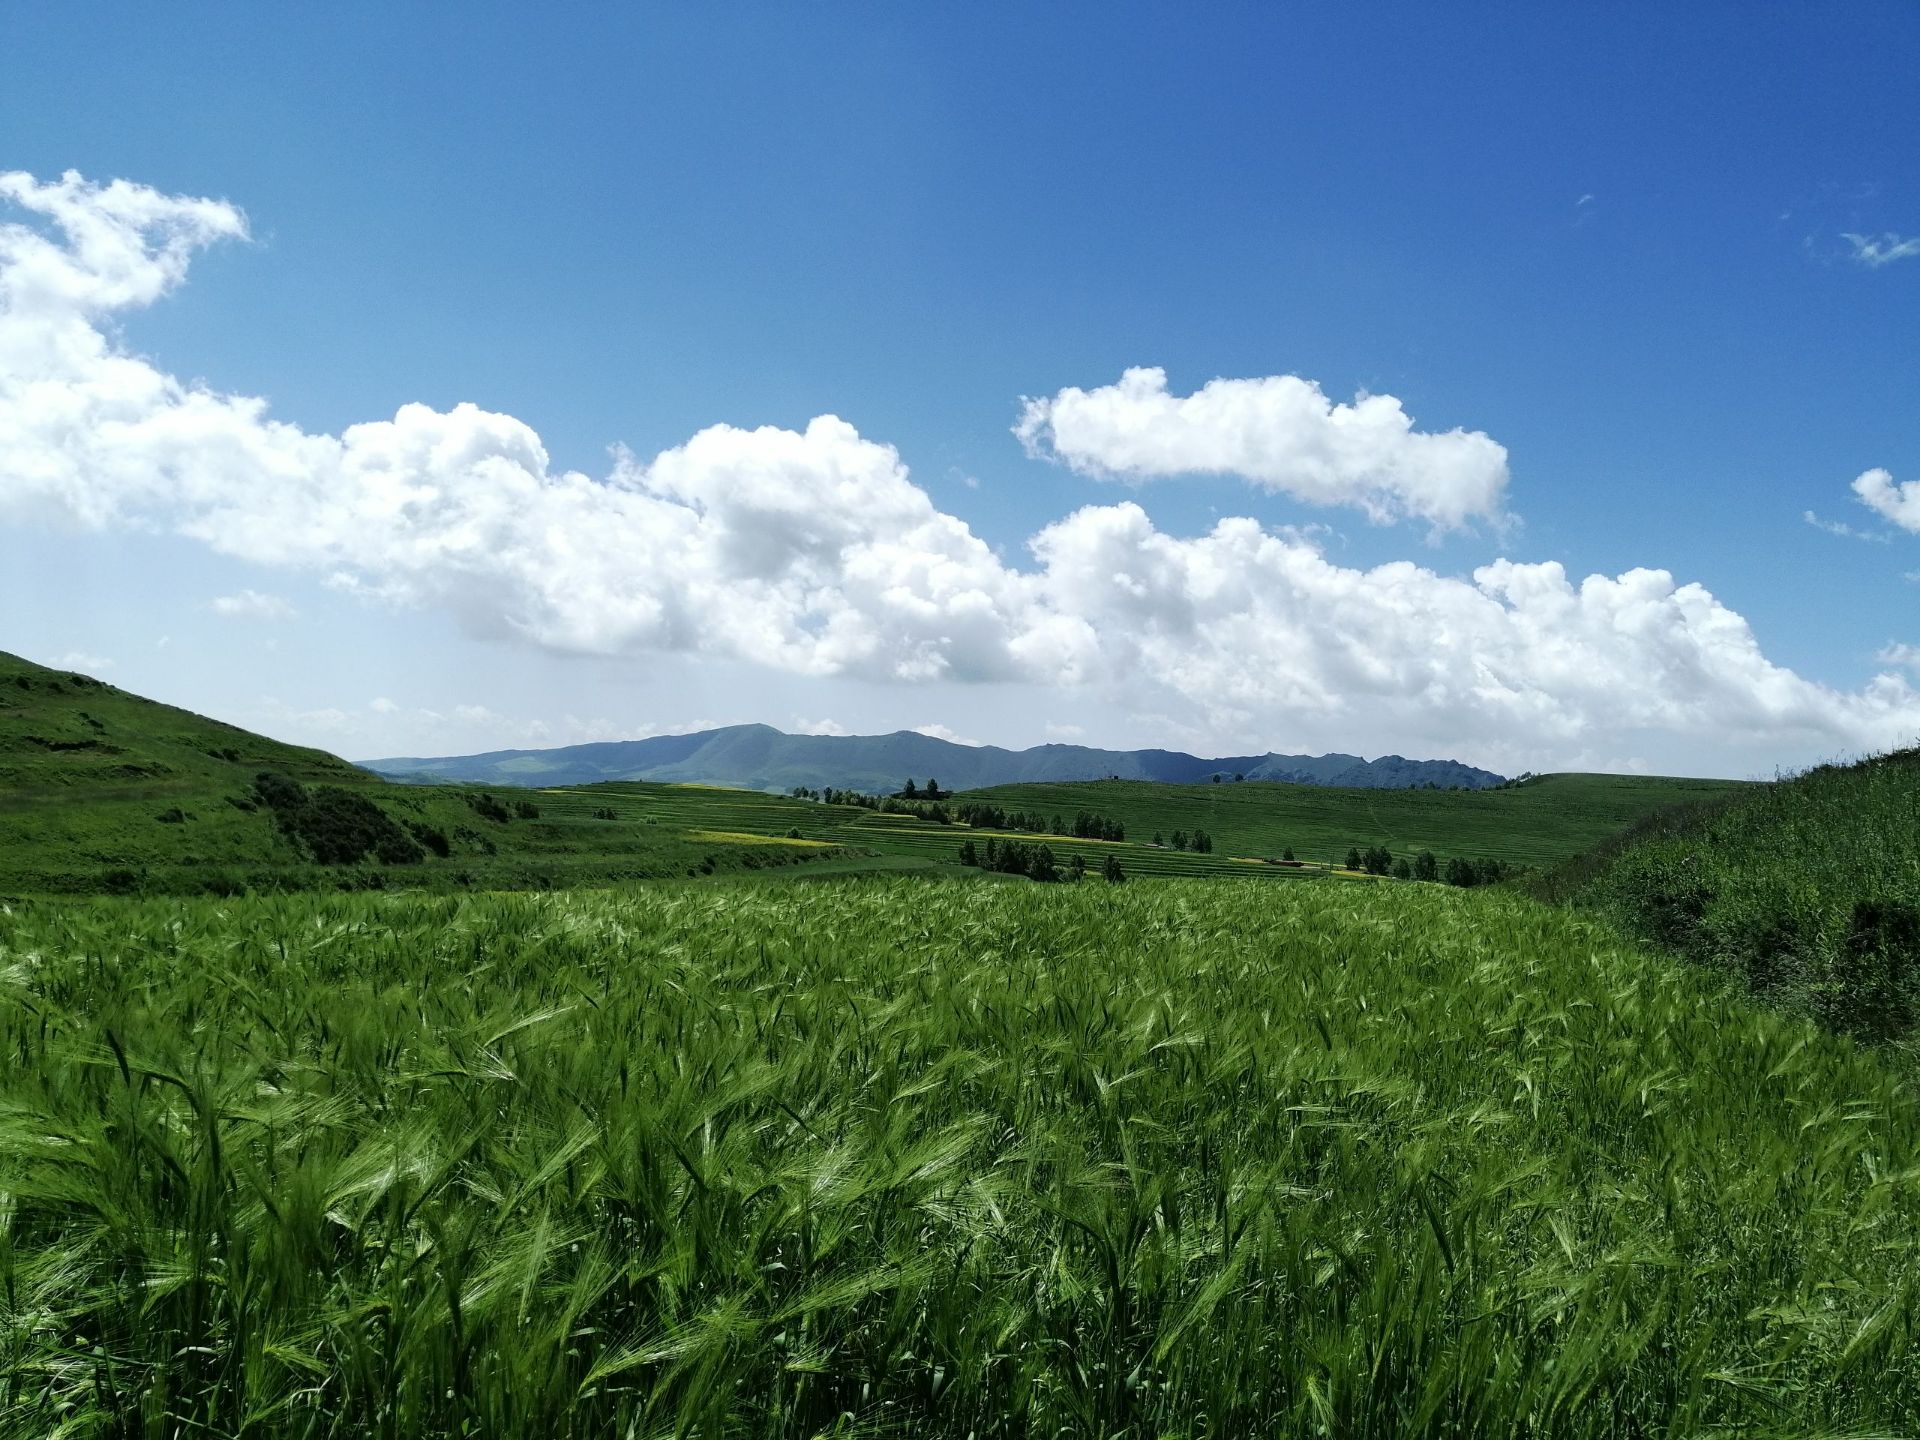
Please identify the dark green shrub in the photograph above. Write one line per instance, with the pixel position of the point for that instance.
(278, 792)
(431, 838)
(1870, 987)
(488, 808)
(335, 826)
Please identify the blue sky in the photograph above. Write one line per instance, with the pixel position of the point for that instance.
(1615, 243)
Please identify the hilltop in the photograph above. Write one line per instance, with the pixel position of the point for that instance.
(759, 757)
(65, 735)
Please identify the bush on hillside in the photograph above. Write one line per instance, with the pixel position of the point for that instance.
(488, 808)
(337, 827)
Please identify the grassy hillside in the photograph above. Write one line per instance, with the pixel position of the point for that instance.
(1534, 823)
(65, 736)
(104, 790)
(1808, 889)
(892, 1158)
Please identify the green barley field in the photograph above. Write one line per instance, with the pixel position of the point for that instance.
(905, 1157)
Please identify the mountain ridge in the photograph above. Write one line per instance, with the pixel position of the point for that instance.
(760, 757)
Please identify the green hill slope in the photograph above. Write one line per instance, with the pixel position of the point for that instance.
(1536, 822)
(101, 789)
(1809, 889)
(65, 736)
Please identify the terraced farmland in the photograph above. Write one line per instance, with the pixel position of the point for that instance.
(1533, 824)
(694, 808)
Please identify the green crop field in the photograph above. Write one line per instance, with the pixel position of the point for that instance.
(898, 1157)
(1534, 823)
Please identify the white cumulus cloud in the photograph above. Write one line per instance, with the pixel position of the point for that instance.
(1897, 652)
(1899, 503)
(1280, 432)
(812, 551)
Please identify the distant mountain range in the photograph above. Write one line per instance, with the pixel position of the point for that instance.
(759, 757)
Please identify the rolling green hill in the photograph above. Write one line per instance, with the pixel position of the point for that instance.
(103, 790)
(1808, 889)
(1535, 822)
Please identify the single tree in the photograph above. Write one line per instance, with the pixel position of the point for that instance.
(1353, 857)
(968, 855)
(1040, 864)
(1112, 870)
(1287, 854)
(1077, 869)
(1424, 867)
(1402, 870)
(909, 791)
(933, 790)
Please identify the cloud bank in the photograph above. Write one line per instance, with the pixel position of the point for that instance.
(813, 552)
(1281, 433)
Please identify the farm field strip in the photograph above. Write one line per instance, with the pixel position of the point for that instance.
(1552, 818)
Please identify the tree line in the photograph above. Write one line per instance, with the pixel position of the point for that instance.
(1036, 862)
(1458, 870)
(1199, 842)
(928, 804)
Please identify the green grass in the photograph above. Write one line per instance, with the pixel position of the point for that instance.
(104, 790)
(1532, 824)
(1809, 890)
(906, 1158)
